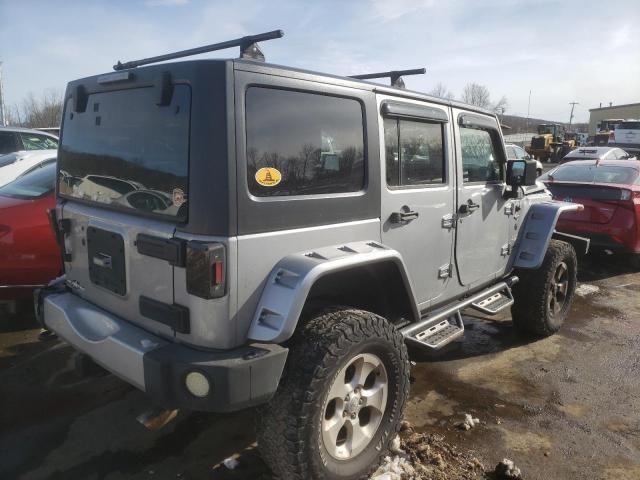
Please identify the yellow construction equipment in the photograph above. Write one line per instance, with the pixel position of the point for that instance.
(550, 143)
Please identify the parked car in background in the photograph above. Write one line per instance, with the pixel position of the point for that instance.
(627, 136)
(610, 193)
(514, 152)
(597, 153)
(16, 139)
(29, 254)
(15, 165)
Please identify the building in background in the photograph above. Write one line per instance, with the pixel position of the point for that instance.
(596, 115)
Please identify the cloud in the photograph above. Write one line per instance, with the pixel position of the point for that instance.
(387, 11)
(165, 3)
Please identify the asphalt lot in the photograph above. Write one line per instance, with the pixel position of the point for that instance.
(566, 407)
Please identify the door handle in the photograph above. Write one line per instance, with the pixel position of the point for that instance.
(406, 215)
(468, 207)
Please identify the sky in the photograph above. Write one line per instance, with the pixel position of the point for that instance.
(561, 51)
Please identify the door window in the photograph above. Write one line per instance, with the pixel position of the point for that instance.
(480, 159)
(38, 142)
(414, 153)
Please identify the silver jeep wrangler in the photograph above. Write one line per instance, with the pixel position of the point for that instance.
(239, 234)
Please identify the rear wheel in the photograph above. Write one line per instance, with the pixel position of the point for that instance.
(543, 297)
(340, 402)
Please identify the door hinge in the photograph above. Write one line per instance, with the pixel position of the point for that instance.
(506, 249)
(449, 221)
(444, 271)
(509, 208)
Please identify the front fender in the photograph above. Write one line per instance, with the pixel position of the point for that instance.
(536, 232)
(290, 281)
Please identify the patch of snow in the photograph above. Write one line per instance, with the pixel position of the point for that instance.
(394, 469)
(231, 463)
(586, 289)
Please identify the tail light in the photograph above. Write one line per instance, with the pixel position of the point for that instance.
(206, 269)
(4, 230)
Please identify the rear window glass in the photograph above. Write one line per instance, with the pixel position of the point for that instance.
(629, 126)
(594, 174)
(37, 183)
(303, 143)
(128, 153)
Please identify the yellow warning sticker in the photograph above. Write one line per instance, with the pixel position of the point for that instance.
(268, 177)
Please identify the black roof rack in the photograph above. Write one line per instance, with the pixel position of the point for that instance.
(248, 49)
(395, 75)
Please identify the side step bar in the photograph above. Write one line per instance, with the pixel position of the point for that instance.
(445, 325)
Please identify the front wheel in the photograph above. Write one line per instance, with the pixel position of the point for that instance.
(543, 297)
(340, 401)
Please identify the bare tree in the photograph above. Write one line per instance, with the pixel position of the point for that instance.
(476, 94)
(501, 106)
(45, 111)
(441, 91)
(479, 95)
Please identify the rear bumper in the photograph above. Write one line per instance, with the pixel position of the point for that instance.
(238, 378)
(601, 236)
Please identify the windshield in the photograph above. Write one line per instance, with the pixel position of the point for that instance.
(36, 183)
(125, 143)
(542, 129)
(593, 174)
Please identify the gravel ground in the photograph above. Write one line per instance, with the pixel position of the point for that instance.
(566, 407)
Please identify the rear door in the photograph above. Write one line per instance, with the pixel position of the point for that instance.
(628, 133)
(122, 171)
(418, 191)
(482, 238)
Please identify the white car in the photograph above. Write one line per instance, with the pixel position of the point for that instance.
(514, 152)
(17, 164)
(627, 136)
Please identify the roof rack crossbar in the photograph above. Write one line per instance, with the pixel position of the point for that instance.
(394, 75)
(248, 49)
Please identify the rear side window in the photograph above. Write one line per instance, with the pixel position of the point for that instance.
(7, 142)
(303, 143)
(414, 153)
(480, 160)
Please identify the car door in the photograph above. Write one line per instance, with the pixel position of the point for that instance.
(482, 237)
(418, 191)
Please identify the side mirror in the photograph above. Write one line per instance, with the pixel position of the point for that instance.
(521, 173)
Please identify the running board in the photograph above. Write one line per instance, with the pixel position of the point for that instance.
(440, 334)
(494, 303)
(445, 325)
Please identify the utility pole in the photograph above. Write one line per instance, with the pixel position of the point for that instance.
(3, 118)
(528, 109)
(573, 104)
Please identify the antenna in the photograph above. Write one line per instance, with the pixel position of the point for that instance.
(394, 75)
(248, 49)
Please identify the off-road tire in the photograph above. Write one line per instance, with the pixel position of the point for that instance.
(532, 311)
(289, 426)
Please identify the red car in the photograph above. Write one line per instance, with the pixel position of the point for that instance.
(29, 253)
(610, 193)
